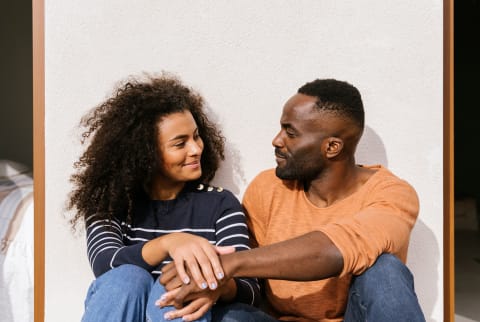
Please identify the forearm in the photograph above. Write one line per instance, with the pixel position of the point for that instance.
(308, 257)
(154, 251)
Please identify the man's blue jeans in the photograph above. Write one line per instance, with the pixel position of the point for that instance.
(127, 293)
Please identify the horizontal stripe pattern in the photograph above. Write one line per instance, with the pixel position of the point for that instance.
(215, 215)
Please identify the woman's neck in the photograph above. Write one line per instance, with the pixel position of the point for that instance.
(165, 191)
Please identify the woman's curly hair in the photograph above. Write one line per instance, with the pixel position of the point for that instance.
(122, 156)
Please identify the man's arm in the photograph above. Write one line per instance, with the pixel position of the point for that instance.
(309, 257)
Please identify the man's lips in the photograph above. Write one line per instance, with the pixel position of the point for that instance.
(280, 155)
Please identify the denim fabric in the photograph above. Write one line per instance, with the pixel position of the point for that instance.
(119, 295)
(384, 292)
(126, 294)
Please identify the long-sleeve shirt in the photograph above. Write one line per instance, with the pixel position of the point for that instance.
(206, 211)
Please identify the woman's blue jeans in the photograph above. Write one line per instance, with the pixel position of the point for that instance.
(384, 292)
(127, 294)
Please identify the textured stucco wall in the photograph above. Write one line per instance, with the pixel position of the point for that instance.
(246, 58)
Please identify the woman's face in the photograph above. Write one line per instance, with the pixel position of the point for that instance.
(180, 148)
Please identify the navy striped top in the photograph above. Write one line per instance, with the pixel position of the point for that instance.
(206, 211)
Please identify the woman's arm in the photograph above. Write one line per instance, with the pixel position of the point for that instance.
(107, 250)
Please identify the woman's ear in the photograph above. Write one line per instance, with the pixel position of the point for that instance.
(334, 146)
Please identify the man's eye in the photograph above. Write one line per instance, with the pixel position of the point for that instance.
(290, 134)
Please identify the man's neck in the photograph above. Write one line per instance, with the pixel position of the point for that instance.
(336, 184)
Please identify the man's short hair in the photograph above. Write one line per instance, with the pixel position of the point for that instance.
(336, 96)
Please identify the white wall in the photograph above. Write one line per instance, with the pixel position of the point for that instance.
(246, 58)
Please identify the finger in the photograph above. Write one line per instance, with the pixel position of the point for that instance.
(169, 278)
(193, 262)
(224, 250)
(195, 308)
(167, 299)
(181, 271)
(201, 311)
(168, 273)
(216, 265)
(182, 294)
(173, 284)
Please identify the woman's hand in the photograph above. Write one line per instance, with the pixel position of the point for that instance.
(198, 302)
(189, 253)
(171, 278)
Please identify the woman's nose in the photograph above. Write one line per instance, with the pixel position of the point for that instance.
(195, 148)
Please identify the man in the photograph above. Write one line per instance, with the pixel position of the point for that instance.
(332, 235)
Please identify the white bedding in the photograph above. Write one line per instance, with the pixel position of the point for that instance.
(16, 245)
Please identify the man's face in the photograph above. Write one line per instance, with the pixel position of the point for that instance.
(298, 145)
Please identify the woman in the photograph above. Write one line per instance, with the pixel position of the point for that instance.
(141, 187)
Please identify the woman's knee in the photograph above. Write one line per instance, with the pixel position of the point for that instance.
(126, 279)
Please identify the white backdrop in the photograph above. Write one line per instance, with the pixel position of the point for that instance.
(246, 58)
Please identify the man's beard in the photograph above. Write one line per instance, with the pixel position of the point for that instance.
(297, 170)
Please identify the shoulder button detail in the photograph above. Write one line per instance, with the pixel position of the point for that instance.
(219, 189)
(210, 188)
(200, 187)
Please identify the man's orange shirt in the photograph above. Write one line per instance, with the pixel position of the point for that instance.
(378, 218)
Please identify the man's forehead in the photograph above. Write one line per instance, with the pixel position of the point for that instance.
(299, 107)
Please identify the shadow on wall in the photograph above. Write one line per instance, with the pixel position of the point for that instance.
(370, 149)
(230, 175)
(424, 256)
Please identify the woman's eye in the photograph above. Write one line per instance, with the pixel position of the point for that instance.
(179, 144)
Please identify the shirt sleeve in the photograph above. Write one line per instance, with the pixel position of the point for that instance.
(254, 207)
(382, 226)
(106, 249)
(231, 230)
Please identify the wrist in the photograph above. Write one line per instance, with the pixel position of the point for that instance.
(229, 264)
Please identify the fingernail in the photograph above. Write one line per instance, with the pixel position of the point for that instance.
(158, 302)
(163, 297)
(204, 285)
(186, 280)
(213, 286)
(166, 316)
(220, 275)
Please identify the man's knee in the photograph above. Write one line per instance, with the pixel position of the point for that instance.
(388, 267)
(387, 273)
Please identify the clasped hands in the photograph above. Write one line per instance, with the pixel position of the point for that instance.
(193, 285)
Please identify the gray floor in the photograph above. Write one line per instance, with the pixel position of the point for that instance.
(467, 275)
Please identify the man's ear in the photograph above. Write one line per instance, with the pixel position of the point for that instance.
(334, 146)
